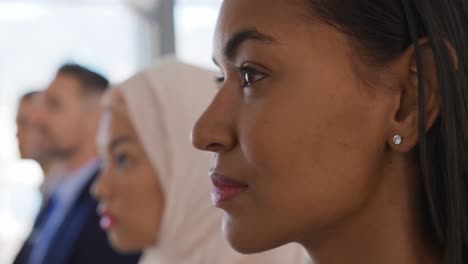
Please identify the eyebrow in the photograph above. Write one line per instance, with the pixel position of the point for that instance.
(119, 141)
(241, 36)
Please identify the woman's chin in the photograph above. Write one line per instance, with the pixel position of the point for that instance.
(247, 241)
(249, 245)
(123, 245)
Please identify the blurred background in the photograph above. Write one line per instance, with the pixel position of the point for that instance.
(113, 37)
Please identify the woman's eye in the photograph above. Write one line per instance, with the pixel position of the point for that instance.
(219, 81)
(122, 160)
(250, 76)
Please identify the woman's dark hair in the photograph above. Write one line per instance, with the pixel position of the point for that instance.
(382, 30)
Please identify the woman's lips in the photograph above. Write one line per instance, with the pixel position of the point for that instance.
(225, 189)
(107, 221)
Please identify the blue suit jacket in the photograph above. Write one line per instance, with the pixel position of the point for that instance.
(79, 239)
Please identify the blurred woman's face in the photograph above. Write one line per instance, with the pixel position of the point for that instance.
(299, 140)
(128, 189)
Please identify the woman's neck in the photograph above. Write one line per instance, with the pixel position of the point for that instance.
(386, 229)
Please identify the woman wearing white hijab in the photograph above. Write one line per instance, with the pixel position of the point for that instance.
(154, 186)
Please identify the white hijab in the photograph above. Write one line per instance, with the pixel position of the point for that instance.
(163, 103)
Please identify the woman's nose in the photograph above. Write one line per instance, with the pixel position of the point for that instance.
(100, 188)
(215, 129)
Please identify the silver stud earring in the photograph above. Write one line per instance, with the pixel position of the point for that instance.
(397, 140)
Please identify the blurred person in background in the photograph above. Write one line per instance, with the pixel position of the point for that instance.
(153, 187)
(24, 124)
(30, 143)
(67, 229)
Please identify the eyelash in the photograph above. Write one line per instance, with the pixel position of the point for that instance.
(243, 72)
(219, 81)
(122, 160)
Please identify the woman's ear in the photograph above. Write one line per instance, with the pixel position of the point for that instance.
(405, 122)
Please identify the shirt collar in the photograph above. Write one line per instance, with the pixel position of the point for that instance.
(74, 182)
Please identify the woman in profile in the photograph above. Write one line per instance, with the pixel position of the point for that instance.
(342, 125)
(152, 191)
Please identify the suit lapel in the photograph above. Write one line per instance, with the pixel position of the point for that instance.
(62, 245)
(25, 251)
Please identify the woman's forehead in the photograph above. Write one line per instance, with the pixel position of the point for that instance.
(267, 15)
(281, 20)
(115, 121)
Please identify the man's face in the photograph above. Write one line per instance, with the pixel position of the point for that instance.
(61, 120)
(26, 129)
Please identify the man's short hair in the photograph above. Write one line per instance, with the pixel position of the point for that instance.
(92, 83)
(27, 97)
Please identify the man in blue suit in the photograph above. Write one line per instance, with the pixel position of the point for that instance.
(67, 229)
